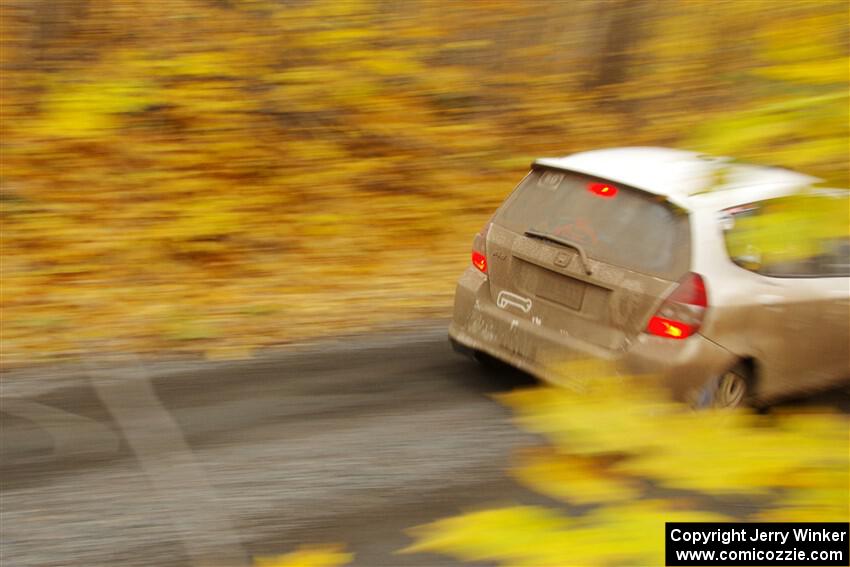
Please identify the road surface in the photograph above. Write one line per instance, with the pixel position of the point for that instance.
(349, 441)
(345, 442)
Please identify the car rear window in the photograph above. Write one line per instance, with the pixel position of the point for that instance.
(614, 224)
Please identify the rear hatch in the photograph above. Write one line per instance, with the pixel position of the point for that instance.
(584, 257)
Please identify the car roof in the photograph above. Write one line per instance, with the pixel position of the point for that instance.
(688, 179)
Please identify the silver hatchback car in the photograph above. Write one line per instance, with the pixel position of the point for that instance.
(640, 257)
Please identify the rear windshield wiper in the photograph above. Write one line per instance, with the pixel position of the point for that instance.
(563, 242)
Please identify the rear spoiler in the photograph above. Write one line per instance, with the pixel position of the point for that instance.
(674, 202)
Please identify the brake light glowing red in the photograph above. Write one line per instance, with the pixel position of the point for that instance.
(479, 260)
(605, 190)
(667, 328)
(682, 313)
(479, 248)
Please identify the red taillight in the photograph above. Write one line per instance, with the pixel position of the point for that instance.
(479, 260)
(479, 248)
(691, 291)
(682, 313)
(668, 328)
(602, 189)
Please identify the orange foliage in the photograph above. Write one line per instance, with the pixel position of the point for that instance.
(213, 176)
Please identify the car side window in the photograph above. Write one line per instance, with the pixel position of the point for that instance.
(797, 236)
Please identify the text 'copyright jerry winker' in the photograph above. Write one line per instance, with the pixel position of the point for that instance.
(745, 543)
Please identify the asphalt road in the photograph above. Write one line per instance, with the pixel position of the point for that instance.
(348, 441)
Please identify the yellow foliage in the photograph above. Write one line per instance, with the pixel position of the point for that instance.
(612, 443)
(529, 536)
(832, 71)
(309, 556)
(572, 478)
(155, 154)
(669, 444)
(487, 535)
(90, 106)
(807, 125)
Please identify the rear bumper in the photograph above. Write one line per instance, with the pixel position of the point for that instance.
(683, 366)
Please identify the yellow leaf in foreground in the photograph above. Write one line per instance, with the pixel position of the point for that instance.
(529, 536)
(308, 556)
(488, 535)
(678, 448)
(576, 480)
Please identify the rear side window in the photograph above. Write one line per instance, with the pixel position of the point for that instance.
(797, 236)
(614, 224)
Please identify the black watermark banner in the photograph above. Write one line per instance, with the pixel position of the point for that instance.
(750, 543)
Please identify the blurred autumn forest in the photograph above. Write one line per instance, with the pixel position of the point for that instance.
(218, 175)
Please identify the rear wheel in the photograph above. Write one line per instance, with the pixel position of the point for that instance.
(731, 389)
